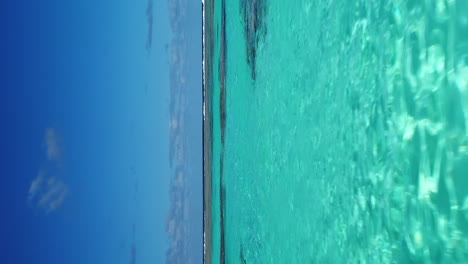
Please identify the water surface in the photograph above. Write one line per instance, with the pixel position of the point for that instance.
(338, 131)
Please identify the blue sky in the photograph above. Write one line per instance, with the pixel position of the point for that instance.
(84, 106)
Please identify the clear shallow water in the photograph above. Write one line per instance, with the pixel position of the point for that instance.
(339, 132)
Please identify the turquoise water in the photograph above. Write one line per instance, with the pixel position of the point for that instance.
(340, 131)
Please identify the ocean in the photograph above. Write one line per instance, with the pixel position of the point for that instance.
(336, 131)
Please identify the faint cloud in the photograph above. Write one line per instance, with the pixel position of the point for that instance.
(133, 255)
(47, 193)
(149, 20)
(35, 186)
(53, 146)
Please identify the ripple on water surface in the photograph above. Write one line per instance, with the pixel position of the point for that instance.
(344, 127)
